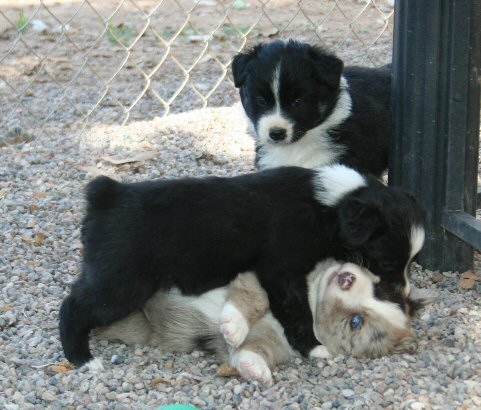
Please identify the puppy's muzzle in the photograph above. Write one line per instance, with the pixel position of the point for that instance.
(345, 280)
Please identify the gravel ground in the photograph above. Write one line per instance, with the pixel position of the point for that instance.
(41, 205)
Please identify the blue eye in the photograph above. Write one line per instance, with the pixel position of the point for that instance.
(356, 321)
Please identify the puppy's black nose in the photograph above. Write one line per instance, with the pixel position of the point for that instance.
(277, 134)
(345, 280)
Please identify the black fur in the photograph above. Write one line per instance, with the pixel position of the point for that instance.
(198, 234)
(310, 79)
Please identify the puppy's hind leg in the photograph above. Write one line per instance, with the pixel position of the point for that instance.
(75, 325)
(246, 303)
(88, 307)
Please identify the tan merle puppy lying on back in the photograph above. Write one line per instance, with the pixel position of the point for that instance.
(348, 319)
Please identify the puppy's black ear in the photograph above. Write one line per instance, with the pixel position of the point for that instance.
(328, 66)
(358, 221)
(239, 64)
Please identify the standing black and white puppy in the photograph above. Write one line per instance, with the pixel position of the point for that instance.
(198, 234)
(306, 110)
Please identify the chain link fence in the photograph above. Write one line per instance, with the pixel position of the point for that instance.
(68, 64)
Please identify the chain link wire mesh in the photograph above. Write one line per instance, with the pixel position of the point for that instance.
(68, 64)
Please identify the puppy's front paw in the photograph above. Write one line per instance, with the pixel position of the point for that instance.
(252, 366)
(319, 352)
(233, 325)
(95, 365)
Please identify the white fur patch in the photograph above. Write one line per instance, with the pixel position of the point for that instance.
(252, 366)
(275, 86)
(334, 182)
(416, 241)
(233, 325)
(315, 148)
(316, 283)
(319, 352)
(209, 303)
(273, 119)
(95, 365)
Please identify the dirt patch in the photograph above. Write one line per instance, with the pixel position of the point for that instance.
(112, 62)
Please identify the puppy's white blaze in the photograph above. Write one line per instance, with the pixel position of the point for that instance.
(334, 182)
(274, 118)
(275, 86)
(95, 365)
(416, 241)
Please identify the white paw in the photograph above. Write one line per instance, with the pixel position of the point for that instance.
(319, 352)
(233, 325)
(252, 366)
(95, 365)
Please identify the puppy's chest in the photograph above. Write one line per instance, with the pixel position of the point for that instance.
(301, 154)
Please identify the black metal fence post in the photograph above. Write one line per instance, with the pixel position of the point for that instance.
(436, 109)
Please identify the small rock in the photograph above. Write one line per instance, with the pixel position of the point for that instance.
(438, 277)
(48, 396)
(39, 25)
(238, 389)
(425, 317)
(348, 392)
(116, 359)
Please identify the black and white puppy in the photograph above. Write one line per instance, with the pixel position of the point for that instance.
(306, 110)
(198, 234)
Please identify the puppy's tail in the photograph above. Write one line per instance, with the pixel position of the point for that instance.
(102, 192)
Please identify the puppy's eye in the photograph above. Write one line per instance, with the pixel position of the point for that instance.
(261, 101)
(297, 102)
(356, 321)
